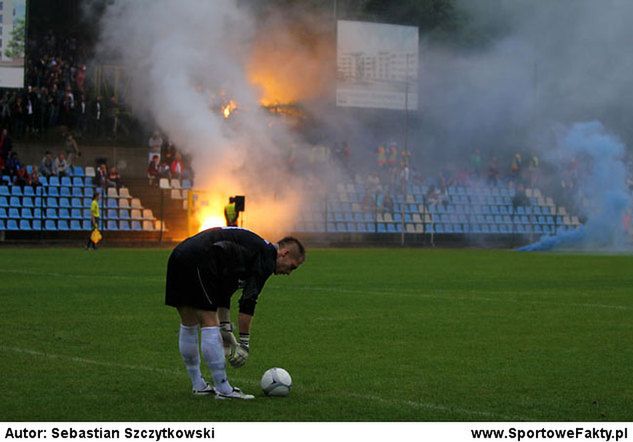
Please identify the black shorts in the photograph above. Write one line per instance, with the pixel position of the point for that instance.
(188, 284)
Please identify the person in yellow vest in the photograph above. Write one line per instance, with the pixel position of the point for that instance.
(95, 235)
(230, 213)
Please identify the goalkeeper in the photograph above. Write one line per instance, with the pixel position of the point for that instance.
(203, 272)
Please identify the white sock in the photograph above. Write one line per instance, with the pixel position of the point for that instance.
(213, 353)
(188, 346)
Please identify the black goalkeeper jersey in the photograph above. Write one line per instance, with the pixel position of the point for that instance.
(230, 257)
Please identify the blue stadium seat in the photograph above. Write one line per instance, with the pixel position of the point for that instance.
(25, 224)
(112, 225)
(4, 202)
(136, 226)
(112, 203)
(40, 190)
(53, 181)
(76, 203)
(88, 181)
(16, 191)
(51, 213)
(78, 192)
(63, 213)
(66, 182)
(62, 224)
(124, 214)
(14, 212)
(12, 224)
(75, 224)
(89, 192)
(26, 213)
(27, 201)
(50, 224)
(28, 191)
(86, 213)
(3, 213)
(78, 182)
(78, 171)
(53, 191)
(64, 202)
(37, 212)
(186, 184)
(86, 202)
(14, 201)
(86, 225)
(76, 213)
(36, 224)
(4, 191)
(112, 214)
(43, 180)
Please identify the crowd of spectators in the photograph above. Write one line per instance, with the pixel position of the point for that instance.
(166, 161)
(58, 93)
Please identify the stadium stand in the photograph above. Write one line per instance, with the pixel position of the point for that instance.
(482, 210)
(64, 205)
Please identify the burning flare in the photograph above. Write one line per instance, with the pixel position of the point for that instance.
(229, 108)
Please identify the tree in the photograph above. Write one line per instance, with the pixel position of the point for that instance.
(15, 47)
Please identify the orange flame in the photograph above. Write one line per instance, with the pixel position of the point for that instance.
(289, 65)
(228, 109)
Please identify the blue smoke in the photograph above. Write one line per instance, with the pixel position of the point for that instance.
(602, 193)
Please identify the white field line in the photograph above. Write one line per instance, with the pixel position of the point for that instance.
(391, 292)
(408, 403)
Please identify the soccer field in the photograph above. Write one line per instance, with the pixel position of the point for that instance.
(367, 334)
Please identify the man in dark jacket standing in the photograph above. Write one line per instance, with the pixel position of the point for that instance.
(203, 272)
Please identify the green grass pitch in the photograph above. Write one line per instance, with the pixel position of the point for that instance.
(367, 334)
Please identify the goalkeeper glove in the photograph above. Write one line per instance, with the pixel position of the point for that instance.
(240, 355)
(228, 338)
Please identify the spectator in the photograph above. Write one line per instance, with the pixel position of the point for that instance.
(60, 165)
(177, 167)
(46, 165)
(476, 163)
(381, 156)
(21, 177)
(101, 176)
(6, 145)
(153, 170)
(493, 172)
(13, 165)
(35, 179)
(114, 178)
(82, 116)
(154, 144)
(97, 118)
(72, 148)
(520, 198)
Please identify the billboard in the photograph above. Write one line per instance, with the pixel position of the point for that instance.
(377, 65)
(12, 42)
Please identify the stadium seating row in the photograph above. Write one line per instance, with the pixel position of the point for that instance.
(73, 213)
(43, 202)
(440, 228)
(76, 225)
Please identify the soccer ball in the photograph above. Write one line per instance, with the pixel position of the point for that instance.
(276, 382)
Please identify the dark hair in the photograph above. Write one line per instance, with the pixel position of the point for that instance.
(288, 240)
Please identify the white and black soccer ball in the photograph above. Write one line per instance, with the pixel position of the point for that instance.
(276, 382)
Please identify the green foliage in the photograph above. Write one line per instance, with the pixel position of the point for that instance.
(15, 46)
(368, 335)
